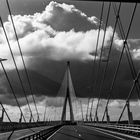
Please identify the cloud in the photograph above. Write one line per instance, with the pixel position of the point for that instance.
(55, 34)
(54, 112)
(133, 44)
(39, 38)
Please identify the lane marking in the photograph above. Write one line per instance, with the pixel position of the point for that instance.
(123, 135)
(118, 133)
(54, 133)
(100, 131)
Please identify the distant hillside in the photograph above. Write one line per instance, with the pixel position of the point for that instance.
(40, 83)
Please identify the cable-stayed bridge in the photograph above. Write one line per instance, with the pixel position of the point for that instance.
(69, 120)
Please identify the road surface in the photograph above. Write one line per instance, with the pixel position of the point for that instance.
(19, 133)
(82, 133)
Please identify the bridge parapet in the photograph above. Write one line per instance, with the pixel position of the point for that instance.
(129, 129)
(7, 126)
(41, 135)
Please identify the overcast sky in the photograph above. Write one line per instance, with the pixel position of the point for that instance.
(53, 32)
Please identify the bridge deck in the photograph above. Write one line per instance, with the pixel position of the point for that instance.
(82, 133)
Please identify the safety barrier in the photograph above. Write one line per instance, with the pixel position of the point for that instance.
(133, 130)
(41, 135)
(8, 126)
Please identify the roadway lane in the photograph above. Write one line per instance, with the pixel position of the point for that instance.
(81, 133)
(19, 133)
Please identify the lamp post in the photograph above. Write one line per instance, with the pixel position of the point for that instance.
(1, 59)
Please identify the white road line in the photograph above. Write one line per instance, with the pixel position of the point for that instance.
(123, 135)
(54, 133)
(100, 131)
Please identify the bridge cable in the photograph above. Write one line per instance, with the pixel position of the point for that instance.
(9, 82)
(101, 17)
(26, 72)
(5, 111)
(87, 109)
(128, 54)
(130, 93)
(108, 57)
(21, 82)
(116, 72)
(99, 64)
(8, 119)
(45, 113)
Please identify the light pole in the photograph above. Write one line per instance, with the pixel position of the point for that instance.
(1, 59)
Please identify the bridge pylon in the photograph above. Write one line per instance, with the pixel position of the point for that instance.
(107, 116)
(130, 116)
(2, 115)
(30, 120)
(96, 117)
(20, 119)
(68, 96)
(37, 118)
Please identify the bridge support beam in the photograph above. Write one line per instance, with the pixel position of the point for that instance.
(67, 97)
(30, 119)
(107, 116)
(90, 117)
(130, 116)
(2, 115)
(96, 118)
(20, 119)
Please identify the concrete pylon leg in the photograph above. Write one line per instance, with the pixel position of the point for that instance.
(30, 119)
(67, 97)
(2, 115)
(37, 118)
(130, 116)
(20, 119)
(107, 116)
(97, 119)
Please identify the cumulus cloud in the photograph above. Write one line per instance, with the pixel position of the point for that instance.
(134, 45)
(39, 37)
(60, 32)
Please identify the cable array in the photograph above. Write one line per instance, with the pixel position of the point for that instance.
(120, 58)
(100, 59)
(20, 80)
(25, 69)
(100, 24)
(13, 92)
(129, 58)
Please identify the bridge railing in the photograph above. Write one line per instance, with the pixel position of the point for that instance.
(6, 126)
(41, 135)
(129, 129)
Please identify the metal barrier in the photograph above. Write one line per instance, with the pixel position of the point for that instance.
(41, 135)
(10, 126)
(133, 130)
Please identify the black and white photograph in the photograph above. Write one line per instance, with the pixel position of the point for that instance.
(69, 70)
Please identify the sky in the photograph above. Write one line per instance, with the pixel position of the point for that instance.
(51, 33)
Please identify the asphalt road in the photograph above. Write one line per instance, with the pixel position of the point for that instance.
(81, 133)
(20, 133)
